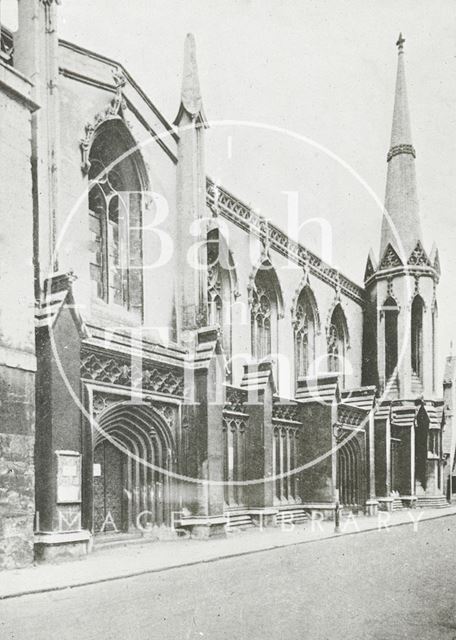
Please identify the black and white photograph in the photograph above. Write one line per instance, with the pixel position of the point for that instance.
(227, 319)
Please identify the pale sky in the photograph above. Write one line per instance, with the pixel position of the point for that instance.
(324, 70)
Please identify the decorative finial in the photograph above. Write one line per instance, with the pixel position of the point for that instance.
(400, 43)
(191, 101)
(191, 93)
(119, 78)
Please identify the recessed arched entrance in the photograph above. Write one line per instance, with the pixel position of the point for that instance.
(133, 453)
(350, 474)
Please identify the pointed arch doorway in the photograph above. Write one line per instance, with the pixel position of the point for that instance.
(350, 474)
(133, 453)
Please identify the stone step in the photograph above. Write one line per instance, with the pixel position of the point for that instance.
(107, 540)
(296, 515)
(432, 502)
(240, 520)
(397, 504)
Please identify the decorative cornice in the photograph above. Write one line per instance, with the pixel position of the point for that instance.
(351, 415)
(285, 412)
(120, 371)
(401, 148)
(236, 399)
(245, 217)
(403, 270)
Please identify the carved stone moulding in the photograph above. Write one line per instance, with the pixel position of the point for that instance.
(115, 110)
(234, 424)
(244, 216)
(235, 399)
(103, 400)
(401, 148)
(390, 258)
(285, 412)
(419, 257)
(112, 370)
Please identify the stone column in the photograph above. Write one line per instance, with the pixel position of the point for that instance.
(191, 202)
(372, 503)
(204, 415)
(36, 55)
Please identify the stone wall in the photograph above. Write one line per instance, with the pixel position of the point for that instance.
(17, 340)
(17, 504)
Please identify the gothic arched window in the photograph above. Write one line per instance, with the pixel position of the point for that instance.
(337, 342)
(417, 336)
(264, 314)
(305, 329)
(391, 341)
(219, 287)
(115, 218)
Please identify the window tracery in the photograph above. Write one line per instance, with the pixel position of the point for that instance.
(337, 343)
(261, 314)
(115, 222)
(219, 287)
(305, 329)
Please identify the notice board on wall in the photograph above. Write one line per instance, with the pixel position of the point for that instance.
(68, 477)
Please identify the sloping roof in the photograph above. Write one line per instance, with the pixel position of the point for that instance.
(257, 377)
(323, 389)
(58, 296)
(362, 397)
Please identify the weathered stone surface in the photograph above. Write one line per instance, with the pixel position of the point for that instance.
(16, 540)
(17, 502)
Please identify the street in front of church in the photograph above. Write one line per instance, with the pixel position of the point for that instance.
(375, 585)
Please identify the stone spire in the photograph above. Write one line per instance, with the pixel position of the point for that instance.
(401, 198)
(191, 100)
(191, 201)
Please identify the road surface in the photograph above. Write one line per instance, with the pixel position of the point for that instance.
(377, 585)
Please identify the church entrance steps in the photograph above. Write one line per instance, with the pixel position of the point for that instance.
(351, 510)
(240, 520)
(295, 515)
(432, 502)
(106, 540)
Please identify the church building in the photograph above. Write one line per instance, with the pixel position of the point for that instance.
(170, 360)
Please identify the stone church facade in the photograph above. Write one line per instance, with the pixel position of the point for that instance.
(172, 360)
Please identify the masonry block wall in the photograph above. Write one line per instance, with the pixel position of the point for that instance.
(17, 349)
(317, 481)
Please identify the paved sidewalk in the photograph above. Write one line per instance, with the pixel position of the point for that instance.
(114, 563)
